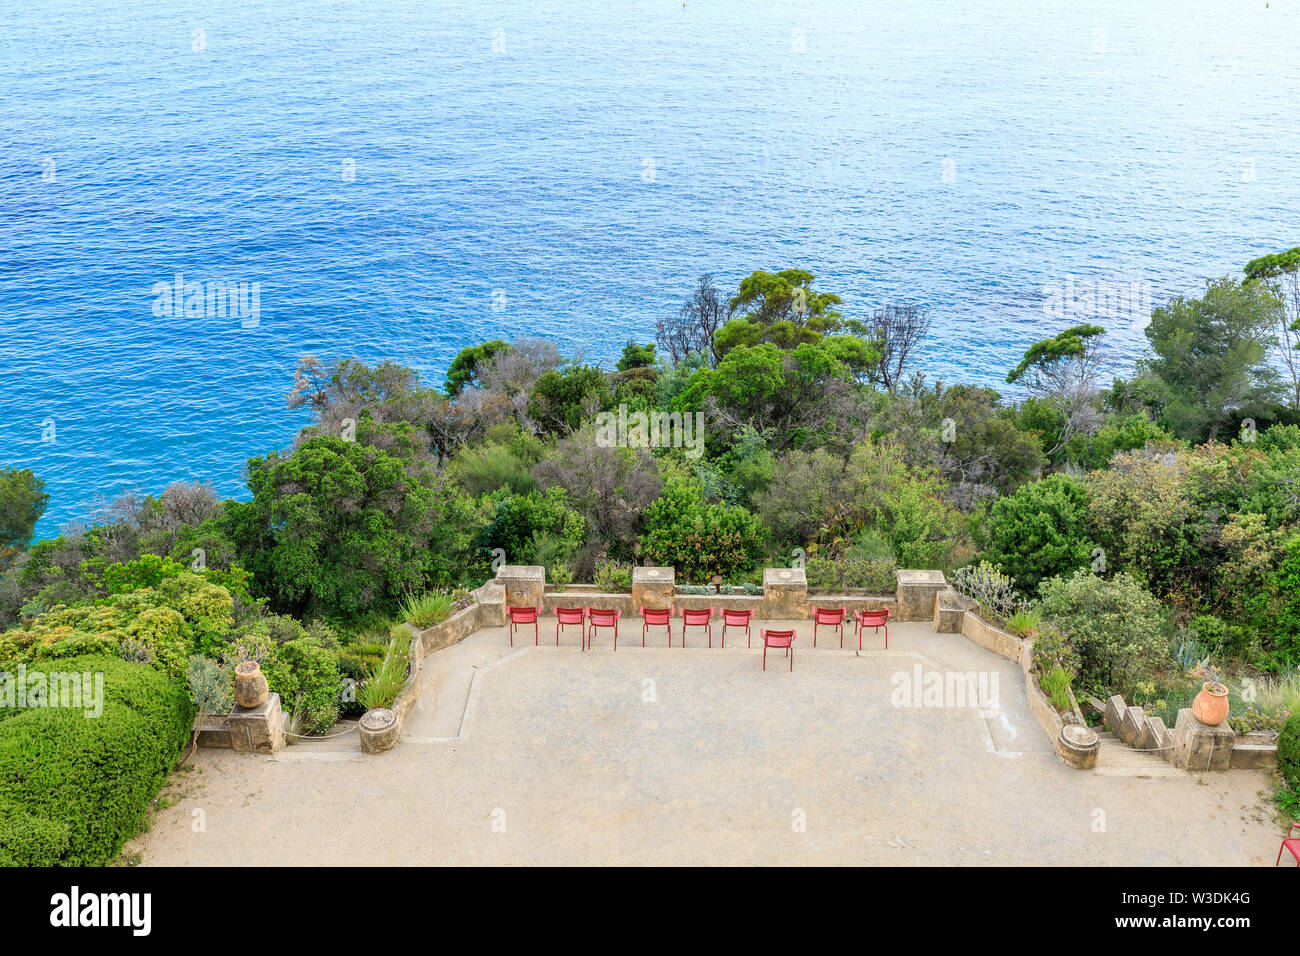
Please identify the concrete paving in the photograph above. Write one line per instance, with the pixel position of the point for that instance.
(546, 755)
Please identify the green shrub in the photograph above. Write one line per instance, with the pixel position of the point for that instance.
(342, 528)
(147, 571)
(1052, 649)
(1057, 687)
(560, 573)
(356, 659)
(1023, 622)
(161, 626)
(305, 673)
(1040, 532)
(426, 610)
(522, 522)
(612, 576)
(870, 574)
(485, 468)
(384, 682)
(699, 539)
(1286, 635)
(1288, 752)
(560, 399)
(1129, 433)
(1119, 628)
(72, 788)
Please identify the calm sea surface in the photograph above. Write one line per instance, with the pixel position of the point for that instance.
(402, 179)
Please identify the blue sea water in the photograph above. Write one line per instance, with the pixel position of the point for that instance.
(405, 178)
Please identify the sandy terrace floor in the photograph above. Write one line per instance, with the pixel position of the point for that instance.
(546, 755)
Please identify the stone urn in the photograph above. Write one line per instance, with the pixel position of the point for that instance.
(379, 730)
(250, 685)
(1211, 705)
(1078, 746)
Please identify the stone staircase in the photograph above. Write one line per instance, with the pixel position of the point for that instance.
(1118, 759)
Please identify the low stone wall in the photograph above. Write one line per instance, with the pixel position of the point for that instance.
(423, 643)
(1008, 646)
(784, 597)
(854, 602)
(603, 601)
(916, 593)
(729, 602)
(453, 630)
(994, 639)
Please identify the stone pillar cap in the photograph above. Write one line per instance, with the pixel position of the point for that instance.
(785, 577)
(535, 571)
(920, 577)
(640, 574)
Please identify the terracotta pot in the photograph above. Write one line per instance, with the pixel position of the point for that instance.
(1211, 704)
(250, 685)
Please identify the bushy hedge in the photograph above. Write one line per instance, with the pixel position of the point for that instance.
(1040, 532)
(161, 625)
(305, 673)
(522, 521)
(871, 574)
(1288, 752)
(1119, 628)
(74, 788)
(698, 538)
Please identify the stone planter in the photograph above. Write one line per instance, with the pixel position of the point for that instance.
(379, 730)
(1211, 704)
(1078, 746)
(250, 685)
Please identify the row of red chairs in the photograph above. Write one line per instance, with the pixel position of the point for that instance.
(591, 618)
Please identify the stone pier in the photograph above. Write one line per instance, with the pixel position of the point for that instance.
(654, 588)
(524, 584)
(785, 594)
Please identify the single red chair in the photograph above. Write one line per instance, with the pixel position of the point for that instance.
(697, 617)
(522, 615)
(736, 619)
(565, 616)
(1290, 843)
(778, 639)
(831, 617)
(876, 619)
(657, 616)
(601, 617)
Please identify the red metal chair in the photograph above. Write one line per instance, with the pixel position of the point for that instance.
(657, 616)
(522, 615)
(697, 617)
(600, 617)
(736, 619)
(778, 639)
(570, 615)
(876, 619)
(1290, 843)
(830, 616)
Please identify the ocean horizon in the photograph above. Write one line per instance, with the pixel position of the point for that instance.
(401, 180)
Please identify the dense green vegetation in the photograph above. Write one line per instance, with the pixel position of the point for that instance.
(72, 788)
(1141, 527)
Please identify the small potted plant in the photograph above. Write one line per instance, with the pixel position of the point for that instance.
(1211, 705)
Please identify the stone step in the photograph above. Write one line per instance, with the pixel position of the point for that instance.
(1118, 759)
